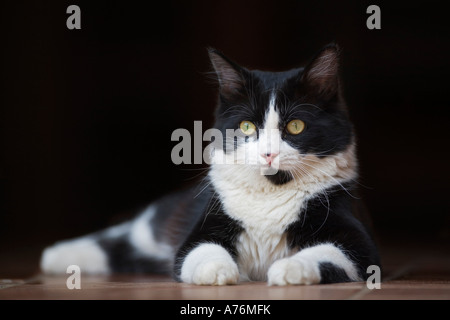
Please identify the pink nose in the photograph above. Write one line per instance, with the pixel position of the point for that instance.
(269, 157)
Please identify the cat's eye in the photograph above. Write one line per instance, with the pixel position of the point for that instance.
(247, 127)
(295, 126)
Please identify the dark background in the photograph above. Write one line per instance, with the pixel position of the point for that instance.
(86, 115)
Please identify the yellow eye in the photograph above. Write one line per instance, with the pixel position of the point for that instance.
(295, 126)
(247, 127)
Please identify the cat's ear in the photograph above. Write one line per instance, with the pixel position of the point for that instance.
(321, 75)
(229, 74)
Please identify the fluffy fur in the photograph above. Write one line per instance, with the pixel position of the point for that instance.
(281, 208)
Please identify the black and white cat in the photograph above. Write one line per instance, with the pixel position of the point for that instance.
(301, 224)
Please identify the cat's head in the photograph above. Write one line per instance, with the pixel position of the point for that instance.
(284, 125)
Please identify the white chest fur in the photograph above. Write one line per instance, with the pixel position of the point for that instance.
(265, 217)
(265, 210)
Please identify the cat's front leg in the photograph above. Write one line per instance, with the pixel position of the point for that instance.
(209, 264)
(324, 263)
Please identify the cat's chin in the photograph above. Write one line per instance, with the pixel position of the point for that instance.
(279, 177)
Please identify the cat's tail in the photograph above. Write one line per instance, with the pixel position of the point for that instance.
(131, 247)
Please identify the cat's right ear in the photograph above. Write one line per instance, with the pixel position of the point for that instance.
(229, 74)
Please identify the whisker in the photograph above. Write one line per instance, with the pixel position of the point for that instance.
(330, 176)
(203, 171)
(337, 156)
(204, 188)
(325, 194)
(210, 207)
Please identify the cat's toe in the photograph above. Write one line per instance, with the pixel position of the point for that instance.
(216, 272)
(293, 271)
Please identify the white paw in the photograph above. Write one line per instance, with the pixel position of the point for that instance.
(85, 253)
(293, 271)
(216, 272)
(209, 264)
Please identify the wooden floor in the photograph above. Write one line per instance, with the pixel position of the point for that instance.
(410, 272)
(155, 288)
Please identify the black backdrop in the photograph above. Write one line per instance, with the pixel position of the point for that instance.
(87, 115)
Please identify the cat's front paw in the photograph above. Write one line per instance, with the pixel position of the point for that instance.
(209, 264)
(293, 271)
(216, 272)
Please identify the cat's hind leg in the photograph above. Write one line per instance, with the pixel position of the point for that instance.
(129, 248)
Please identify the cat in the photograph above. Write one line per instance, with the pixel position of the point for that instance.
(301, 223)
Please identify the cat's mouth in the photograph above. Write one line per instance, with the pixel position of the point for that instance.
(276, 170)
(279, 177)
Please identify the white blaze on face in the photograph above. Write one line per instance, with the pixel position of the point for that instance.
(270, 139)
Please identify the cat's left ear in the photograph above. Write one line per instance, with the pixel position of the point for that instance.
(321, 76)
(230, 75)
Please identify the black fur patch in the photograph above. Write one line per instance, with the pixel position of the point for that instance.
(215, 227)
(123, 258)
(330, 273)
(281, 177)
(330, 219)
